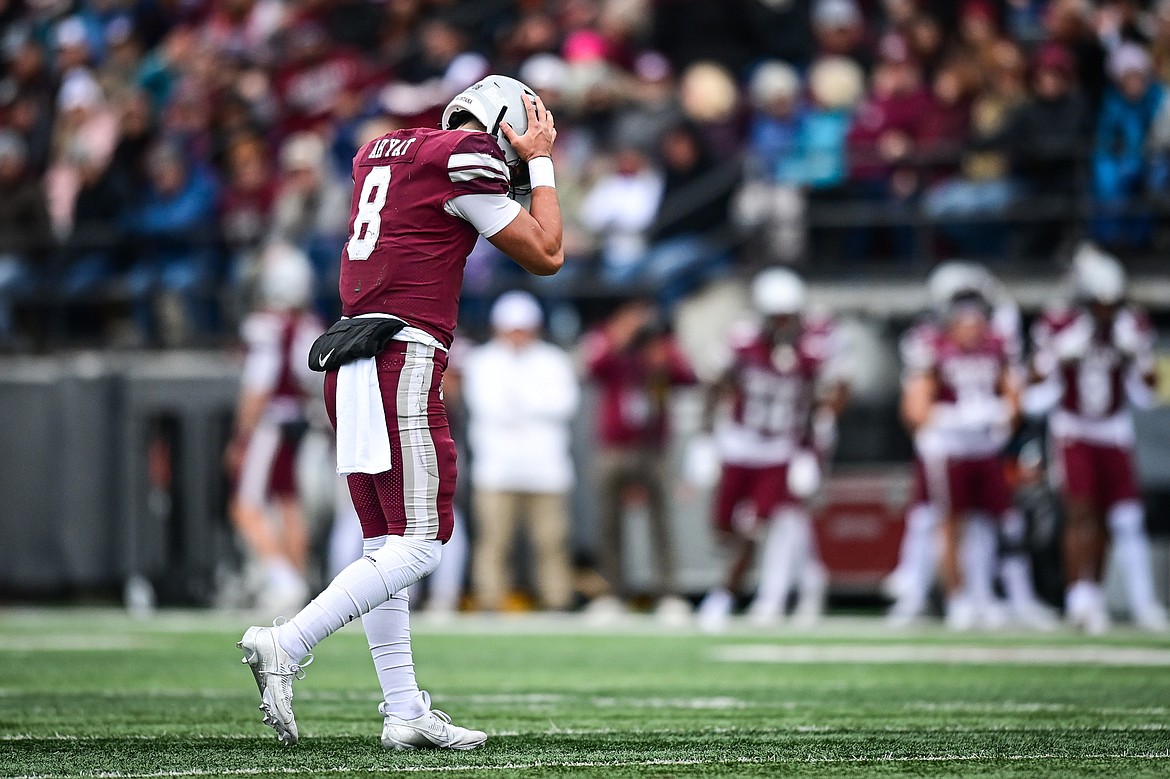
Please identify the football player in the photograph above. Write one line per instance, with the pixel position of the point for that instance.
(781, 394)
(1092, 360)
(960, 399)
(421, 198)
(270, 420)
(910, 582)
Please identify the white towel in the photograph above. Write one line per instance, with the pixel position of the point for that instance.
(363, 443)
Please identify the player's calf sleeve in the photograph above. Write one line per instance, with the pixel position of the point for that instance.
(813, 582)
(919, 551)
(360, 587)
(977, 558)
(780, 556)
(1127, 527)
(387, 630)
(1015, 568)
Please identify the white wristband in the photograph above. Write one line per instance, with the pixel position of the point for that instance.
(540, 172)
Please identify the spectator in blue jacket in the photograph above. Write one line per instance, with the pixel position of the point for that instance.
(172, 281)
(1120, 165)
(775, 124)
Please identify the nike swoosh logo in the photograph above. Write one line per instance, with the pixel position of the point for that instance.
(325, 358)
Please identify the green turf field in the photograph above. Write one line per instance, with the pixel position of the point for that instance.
(90, 693)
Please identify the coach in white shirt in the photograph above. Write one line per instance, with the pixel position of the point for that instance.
(521, 395)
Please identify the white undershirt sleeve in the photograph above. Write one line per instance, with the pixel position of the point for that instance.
(488, 214)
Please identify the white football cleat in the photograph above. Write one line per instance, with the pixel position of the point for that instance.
(715, 610)
(1152, 619)
(673, 611)
(274, 670)
(764, 613)
(604, 610)
(992, 615)
(1088, 612)
(905, 612)
(1034, 615)
(813, 594)
(961, 614)
(432, 730)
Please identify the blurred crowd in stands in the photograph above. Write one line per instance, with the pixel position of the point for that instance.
(150, 150)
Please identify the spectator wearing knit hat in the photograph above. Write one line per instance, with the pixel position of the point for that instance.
(839, 29)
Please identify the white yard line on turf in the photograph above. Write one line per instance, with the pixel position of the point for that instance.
(559, 731)
(869, 654)
(66, 642)
(544, 701)
(115, 621)
(538, 764)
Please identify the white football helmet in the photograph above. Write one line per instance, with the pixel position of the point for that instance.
(492, 101)
(1096, 276)
(778, 292)
(954, 278)
(286, 278)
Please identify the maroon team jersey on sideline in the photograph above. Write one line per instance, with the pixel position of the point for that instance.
(1093, 361)
(963, 372)
(775, 386)
(405, 254)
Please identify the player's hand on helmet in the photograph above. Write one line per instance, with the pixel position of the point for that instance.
(537, 141)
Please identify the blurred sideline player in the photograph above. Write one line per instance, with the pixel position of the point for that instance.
(784, 396)
(421, 199)
(1091, 358)
(960, 400)
(269, 423)
(910, 582)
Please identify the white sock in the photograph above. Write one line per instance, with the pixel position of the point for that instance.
(919, 553)
(978, 555)
(361, 586)
(1016, 573)
(784, 545)
(1127, 527)
(388, 633)
(1078, 595)
(814, 577)
(1015, 569)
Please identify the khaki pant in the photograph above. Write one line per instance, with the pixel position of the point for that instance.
(617, 469)
(546, 516)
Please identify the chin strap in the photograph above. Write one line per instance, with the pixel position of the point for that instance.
(496, 126)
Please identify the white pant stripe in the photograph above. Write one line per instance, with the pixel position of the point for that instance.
(420, 488)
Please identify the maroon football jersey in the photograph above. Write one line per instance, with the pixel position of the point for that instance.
(774, 387)
(1092, 361)
(405, 253)
(970, 373)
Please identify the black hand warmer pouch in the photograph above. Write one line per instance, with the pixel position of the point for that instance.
(352, 339)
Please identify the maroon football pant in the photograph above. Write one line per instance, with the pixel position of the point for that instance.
(415, 497)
